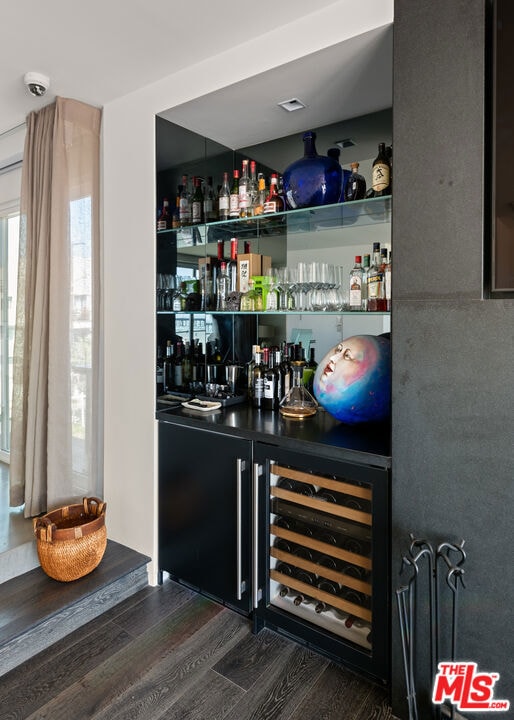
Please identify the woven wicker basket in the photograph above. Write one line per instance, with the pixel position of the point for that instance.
(71, 540)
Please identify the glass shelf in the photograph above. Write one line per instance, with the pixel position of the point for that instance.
(358, 213)
(351, 313)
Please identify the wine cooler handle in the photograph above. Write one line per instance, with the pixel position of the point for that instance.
(240, 466)
(256, 595)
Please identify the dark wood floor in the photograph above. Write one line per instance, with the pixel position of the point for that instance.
(169, 653)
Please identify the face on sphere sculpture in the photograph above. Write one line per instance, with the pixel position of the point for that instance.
(353, 382)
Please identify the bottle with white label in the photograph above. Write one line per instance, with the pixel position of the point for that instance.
(356, 276)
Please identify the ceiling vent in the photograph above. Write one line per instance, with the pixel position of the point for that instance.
(346, 143)
(293, 104)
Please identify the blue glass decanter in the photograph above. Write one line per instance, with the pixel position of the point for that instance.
(314, 179)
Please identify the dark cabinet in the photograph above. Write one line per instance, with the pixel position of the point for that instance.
(204, 512)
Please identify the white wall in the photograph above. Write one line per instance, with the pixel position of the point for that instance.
(129, 250)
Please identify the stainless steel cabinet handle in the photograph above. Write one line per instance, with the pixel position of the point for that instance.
(257, 471)
(240, 466)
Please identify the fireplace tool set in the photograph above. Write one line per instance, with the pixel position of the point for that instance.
(444, 562)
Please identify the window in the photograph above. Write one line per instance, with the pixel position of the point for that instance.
(9, 240)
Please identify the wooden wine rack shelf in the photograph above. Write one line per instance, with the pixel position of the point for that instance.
(328, 598)
(322, 505)
(337, 485)
(338, 577)
(321, 547)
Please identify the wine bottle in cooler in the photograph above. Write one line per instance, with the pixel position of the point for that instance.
(327, 586)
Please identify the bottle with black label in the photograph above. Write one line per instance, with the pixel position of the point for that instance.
(271, 383)
(258, 381)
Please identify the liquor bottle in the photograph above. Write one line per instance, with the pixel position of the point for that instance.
(252, 190)
(273, 202)
(187, 369)
(244, 182)
(231, 266)
(258, 381)
(365, 273)
(175, 216)
(286, 372)
(164, 221)
(177, 365)
(381, 173)
(185, 205)
(261, 195)
(310, 369)
(208, 202)
(233, 211)
(376, 289)
(355, 188)
(271, 383)
(224, 199)
(356, 277)
(197, 203)
(169, 377)
(387, 281)
(159, 376)
(223, 287)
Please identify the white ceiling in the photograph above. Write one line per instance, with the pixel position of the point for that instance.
(96, 51)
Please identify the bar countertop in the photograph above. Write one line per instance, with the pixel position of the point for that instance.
(321, 434)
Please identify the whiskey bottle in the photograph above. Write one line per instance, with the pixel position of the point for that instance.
(164, 221)
(233, 211)
(355, 188)
(273, 202)
(381, 173)
(376, 289)
(224, 199)
(356, 276)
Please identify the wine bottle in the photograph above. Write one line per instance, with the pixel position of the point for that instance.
(208, 202)
(286, 372)
(381, 173)
(310, 369)
(271, 382)
(365, 273)
(328, 586)
(233, 211)
(258, 381)
(355, 188)
(231, 268)
(185, 205)
(224, 199)
(197, 203)
(169, 377)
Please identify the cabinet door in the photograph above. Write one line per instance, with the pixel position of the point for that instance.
(204, 511)
(323, 555)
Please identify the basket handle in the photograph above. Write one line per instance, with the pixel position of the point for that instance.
(94, 506)
(45, 528)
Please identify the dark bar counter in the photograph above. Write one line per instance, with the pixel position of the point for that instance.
(321, 434)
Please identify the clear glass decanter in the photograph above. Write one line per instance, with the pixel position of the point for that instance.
(298, 403)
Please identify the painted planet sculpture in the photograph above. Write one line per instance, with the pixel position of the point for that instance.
(353, 381)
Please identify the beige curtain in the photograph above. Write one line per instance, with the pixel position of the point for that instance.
(56, 449)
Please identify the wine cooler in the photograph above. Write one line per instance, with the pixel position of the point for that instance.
(324, 556)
